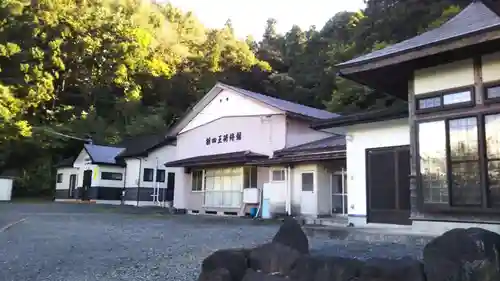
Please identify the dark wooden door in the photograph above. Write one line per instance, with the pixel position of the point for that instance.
(87, 183)
(388, 185)
(72, 186)
(170, 187)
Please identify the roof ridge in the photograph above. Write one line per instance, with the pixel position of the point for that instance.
(245, 93)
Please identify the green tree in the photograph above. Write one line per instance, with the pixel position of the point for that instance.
(105, 68)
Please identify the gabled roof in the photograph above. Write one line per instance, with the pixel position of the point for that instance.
(385, 114)
(286, 106)
(336, 142)
(65, 163)
(330, 148)
(141, 145)
(476, 17)
(339, 155)
(100, 154)
(293, 109)
(240, 157)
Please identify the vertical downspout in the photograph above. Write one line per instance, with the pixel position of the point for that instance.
(124, 190)
(156, 192)
(289, 190)
(343, 191)
(139, 181)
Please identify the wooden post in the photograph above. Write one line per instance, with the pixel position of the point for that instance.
(479, 93)
(413, 148)
(478, 80)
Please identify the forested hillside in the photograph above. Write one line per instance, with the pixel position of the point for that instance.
(118, 68)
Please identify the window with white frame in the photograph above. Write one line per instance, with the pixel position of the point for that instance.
(223, 187)
(278, 175)
(197, 180)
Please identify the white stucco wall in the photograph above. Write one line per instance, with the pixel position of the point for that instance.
(452, 75)
(82, 159)
(132, 172)
(321, 199)
(260, 134)
(491, 67)
(161, 156)
(228, 103)
(456, 74)
(156, 160)
(299, 132)
(6, 189)
(99, 169)
(366, 136)
(82, 163)
(66, 173)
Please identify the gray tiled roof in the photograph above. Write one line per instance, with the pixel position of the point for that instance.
(67, 162)
(101, 154)
(284, 105)
(334, 142)
(475, 17)
(395, 111)
(138, 145)
(217, 159)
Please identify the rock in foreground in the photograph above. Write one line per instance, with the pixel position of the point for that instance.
(292, 235)
(273, 258)
(463, 255)
(287, 258)
(223, 263)
(309, 268)
(253, 275)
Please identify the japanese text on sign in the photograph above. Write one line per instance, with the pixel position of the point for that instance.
(223, 138)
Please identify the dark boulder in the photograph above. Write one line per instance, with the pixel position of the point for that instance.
(252, 275)
(406, 269)
(309, 268)
(463, 255)
(273, 258)
(292, 235)
(219, 274)
(234, 261)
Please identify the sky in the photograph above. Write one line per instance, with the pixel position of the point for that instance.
(249, 16)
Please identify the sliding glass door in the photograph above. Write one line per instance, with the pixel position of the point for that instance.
(224, 187)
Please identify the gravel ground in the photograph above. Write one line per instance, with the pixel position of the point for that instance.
(59, 242)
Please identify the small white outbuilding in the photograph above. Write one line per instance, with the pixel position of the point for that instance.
(6, 183)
